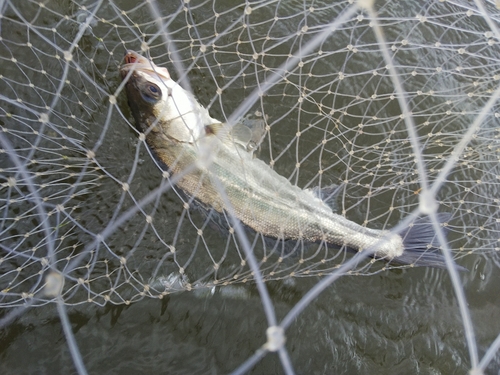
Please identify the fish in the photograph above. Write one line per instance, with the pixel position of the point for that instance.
(216, 166)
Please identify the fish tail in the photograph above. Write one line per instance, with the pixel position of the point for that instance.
(421, 246)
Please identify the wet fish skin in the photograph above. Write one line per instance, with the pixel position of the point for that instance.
(176, 126)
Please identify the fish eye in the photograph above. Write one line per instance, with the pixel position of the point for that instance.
(154, 89)
(151, 93)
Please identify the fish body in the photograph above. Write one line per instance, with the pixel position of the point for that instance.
(221, 174)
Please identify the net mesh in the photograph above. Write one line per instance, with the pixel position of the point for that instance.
(395, 103)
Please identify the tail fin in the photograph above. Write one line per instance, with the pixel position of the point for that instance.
(421, 244)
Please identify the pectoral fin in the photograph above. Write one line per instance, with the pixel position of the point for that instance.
(246, 133)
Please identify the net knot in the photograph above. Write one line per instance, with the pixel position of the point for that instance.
(54, 283)
(428, 204)
(275, 338)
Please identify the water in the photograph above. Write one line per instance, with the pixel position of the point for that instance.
(396, 322)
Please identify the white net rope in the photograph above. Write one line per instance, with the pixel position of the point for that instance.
(396, 105)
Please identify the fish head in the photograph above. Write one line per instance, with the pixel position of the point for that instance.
(158, 104)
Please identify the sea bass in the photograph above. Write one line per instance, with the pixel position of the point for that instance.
(220, 172)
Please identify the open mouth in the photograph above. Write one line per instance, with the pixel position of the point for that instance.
(134, 61)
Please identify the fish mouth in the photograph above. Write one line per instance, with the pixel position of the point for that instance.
(136, 62)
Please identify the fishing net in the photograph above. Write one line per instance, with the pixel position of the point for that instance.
(394, 104)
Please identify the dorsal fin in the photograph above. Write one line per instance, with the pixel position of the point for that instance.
(327, 194)
(257, 128)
